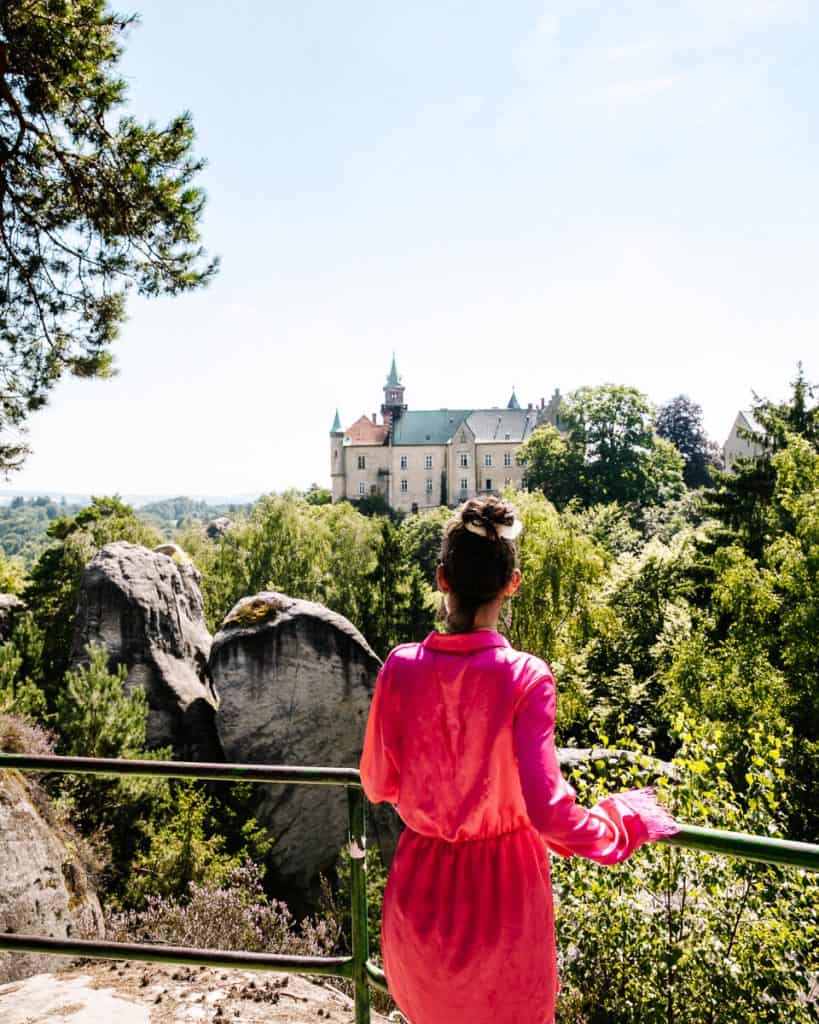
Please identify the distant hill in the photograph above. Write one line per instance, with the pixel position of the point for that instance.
(25, 520)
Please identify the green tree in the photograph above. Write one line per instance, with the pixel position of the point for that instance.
(91, 201)
(608, 451)
(679, 420)
(742, 500)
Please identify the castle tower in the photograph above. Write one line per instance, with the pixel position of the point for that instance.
(338, 470)
(393, 396)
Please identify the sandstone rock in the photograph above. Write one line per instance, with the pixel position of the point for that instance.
(44, 889)
(10, 608)
(130, 993)
(217, 527)
(295, 682)
(146, 608)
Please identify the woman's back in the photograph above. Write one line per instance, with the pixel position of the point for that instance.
(450, 705)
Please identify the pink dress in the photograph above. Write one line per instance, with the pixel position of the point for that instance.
(460, 739)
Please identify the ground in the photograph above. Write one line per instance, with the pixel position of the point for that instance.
(102, 992)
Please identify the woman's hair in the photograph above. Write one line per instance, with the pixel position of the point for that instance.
(477, 562)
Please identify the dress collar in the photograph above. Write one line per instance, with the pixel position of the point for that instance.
(464, 643)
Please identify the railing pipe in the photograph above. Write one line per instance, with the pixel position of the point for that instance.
(183, 769)
(338, 966)
(358, 902)
(741, 844)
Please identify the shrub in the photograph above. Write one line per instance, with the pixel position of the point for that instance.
(684, 936)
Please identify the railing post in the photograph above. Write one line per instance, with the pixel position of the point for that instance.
(358, 902)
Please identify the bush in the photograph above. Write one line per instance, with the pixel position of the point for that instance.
(235, 914)
(683, 936)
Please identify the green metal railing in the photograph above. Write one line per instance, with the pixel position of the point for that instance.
(358, 967)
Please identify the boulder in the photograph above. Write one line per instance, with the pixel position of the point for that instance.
(146, 608)
(44, 888)
(295, 682)
(217, 527)
(10, 608)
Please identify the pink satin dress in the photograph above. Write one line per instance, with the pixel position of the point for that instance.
(460, 738)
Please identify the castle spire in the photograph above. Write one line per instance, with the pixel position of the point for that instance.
(336, 427)
(393, 380)
(513, 401)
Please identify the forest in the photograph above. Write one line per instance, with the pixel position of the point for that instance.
(678, 606)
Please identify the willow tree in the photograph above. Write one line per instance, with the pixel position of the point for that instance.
(92, 202)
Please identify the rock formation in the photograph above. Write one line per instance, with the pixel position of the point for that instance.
(44, 889)
(10, 608)
(146, 608)
(295, 683)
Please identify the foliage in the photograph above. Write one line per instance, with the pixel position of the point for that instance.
(607, 451)
(235, 914)
(742, 499)
(19, 695)
(680, 421)
(53, 586)
(684, 936)
(24, 527)
(182, 850)
(90, 203)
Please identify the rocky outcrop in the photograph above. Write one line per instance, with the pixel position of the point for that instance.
(295, 682)
(10, 607)
(146, 608)
(133, 993)
(44, 889)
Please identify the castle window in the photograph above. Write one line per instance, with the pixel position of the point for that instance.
(429, 486)
(464, 485)
(373, 489)
(427, 462)
(335, 454)
(507, 437)
(487, 460)
(507, 458)
(463, 460)
(404, 486)
(362, 488)
(463, 437)
(403, 462)
(362, 462)
(488, 484)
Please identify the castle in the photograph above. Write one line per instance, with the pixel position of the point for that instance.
(416, 459)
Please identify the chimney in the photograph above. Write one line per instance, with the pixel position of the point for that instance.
(542, 403)
(373, 418)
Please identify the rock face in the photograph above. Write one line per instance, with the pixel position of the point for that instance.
(10, 608)
(146, 608)
(44, 889)
(295, 682)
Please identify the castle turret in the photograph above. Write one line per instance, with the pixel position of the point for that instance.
(393, 396)
(337, 468)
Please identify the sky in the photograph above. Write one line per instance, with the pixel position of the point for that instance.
(518, 194)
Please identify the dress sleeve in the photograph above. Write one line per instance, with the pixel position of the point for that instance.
(379, 760)
(611, 830)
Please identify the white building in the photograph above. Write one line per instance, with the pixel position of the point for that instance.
(738, 446)
(418, 459)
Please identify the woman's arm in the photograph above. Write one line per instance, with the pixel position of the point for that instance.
(379, 762)
(609, 832)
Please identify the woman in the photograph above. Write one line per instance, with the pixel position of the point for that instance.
(460, 738)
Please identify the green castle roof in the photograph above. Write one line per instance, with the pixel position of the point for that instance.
(393, 381)
(336, 427)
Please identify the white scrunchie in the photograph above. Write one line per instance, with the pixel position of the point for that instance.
(506, 530)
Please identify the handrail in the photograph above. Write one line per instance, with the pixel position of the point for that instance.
(358, 967)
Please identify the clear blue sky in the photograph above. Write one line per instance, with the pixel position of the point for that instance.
(538, 195)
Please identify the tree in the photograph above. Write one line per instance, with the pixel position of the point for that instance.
(743, 499)
(90, 204)
(680, 421)
(608, 451)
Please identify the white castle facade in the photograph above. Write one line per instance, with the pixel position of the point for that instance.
(419, 458)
